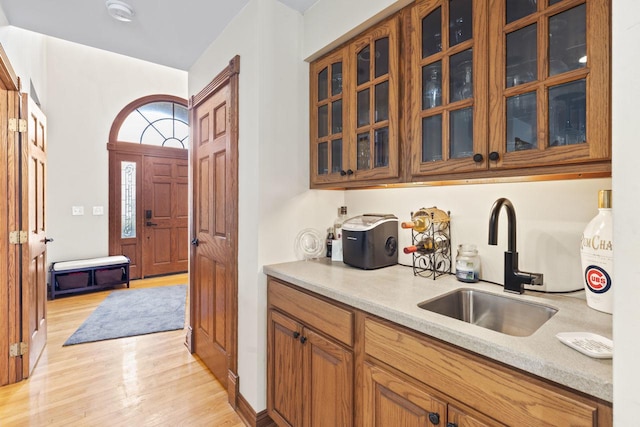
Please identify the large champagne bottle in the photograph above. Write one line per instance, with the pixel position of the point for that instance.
(596, 251)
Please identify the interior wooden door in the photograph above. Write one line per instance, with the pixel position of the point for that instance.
(166, 213)
(10, 312)
(214, 245)
(34, 271)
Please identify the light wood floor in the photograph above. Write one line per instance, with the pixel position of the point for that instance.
(148, 380)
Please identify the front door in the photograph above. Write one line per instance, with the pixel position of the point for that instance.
(148, 208)
(149, 185)
(166, 213)
(34, 271)
(214, 251)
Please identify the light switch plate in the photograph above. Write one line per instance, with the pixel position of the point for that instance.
(77, 210)
(98, 210)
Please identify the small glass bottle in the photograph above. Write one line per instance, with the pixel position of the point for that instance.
(467, 264)
(330, 238)
(337, 224)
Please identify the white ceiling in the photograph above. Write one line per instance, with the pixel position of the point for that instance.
(168, 32)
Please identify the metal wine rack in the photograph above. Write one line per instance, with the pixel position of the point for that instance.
(437, 260)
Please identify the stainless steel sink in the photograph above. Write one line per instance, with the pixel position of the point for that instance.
(502, 314)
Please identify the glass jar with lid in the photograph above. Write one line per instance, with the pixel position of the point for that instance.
(467, 264)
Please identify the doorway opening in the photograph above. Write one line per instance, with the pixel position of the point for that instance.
(148, 185)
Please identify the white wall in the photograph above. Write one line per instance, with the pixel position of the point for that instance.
(329, 23)
(87, 89)
(551, 216)
(274, 201)
(626, 208)
(81, 90)
(27, 53)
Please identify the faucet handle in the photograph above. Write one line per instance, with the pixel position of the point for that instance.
(537, 279)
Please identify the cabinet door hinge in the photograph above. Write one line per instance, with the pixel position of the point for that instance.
(17, 237)
(17, 125)
(18, 349)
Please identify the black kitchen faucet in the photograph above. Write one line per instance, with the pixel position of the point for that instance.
(514, 279)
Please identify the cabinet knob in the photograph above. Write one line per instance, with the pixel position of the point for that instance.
(349, 172)
(478, 158)
(494, 156)
(343, 172)
(434, 417)
(452, 425)
(296, 334)
(195, 241)
(303, 340)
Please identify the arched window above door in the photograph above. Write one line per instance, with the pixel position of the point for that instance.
(159, 120)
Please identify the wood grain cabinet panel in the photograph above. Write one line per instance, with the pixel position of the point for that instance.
(506, 395)
(328, 383)
(319, 314)
(309, 370)
(355, 110)
(390, 400)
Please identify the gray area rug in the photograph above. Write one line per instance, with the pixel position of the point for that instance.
(129, 312)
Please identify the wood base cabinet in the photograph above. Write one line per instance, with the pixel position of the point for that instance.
(390, 400)
(332, 365)
(498, 394)
(310, 373)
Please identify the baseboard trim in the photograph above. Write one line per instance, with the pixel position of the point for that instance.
(249, 415)
(233, 389)
(188, 340)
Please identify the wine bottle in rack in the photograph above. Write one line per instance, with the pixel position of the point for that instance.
(424, 246)
(418, 223)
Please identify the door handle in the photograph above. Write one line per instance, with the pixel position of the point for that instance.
(195, 241)
(149, 223)
(47, 240)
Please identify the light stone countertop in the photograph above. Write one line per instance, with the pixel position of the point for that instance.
(393, 293)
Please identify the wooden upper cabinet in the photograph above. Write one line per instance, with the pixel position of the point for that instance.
(550, 82)
(490, 88)
(355, 109)
(328, 145)
(374, 97)
(447, 90)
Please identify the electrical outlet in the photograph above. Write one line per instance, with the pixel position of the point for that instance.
(77, 210)
(98, 210)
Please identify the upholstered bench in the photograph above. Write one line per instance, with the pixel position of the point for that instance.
(69, 277)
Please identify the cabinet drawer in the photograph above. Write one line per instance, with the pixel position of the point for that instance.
(320, 315)
(504, 394)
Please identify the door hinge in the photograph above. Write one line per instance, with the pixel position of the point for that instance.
(18, 349)
(17, 237)
(17, 125)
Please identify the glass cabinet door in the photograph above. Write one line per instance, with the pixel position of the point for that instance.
(550, 67)
(375, 56)
(328, 160)
(449, 89)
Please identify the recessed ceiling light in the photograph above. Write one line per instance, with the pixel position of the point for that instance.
(120, 10)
